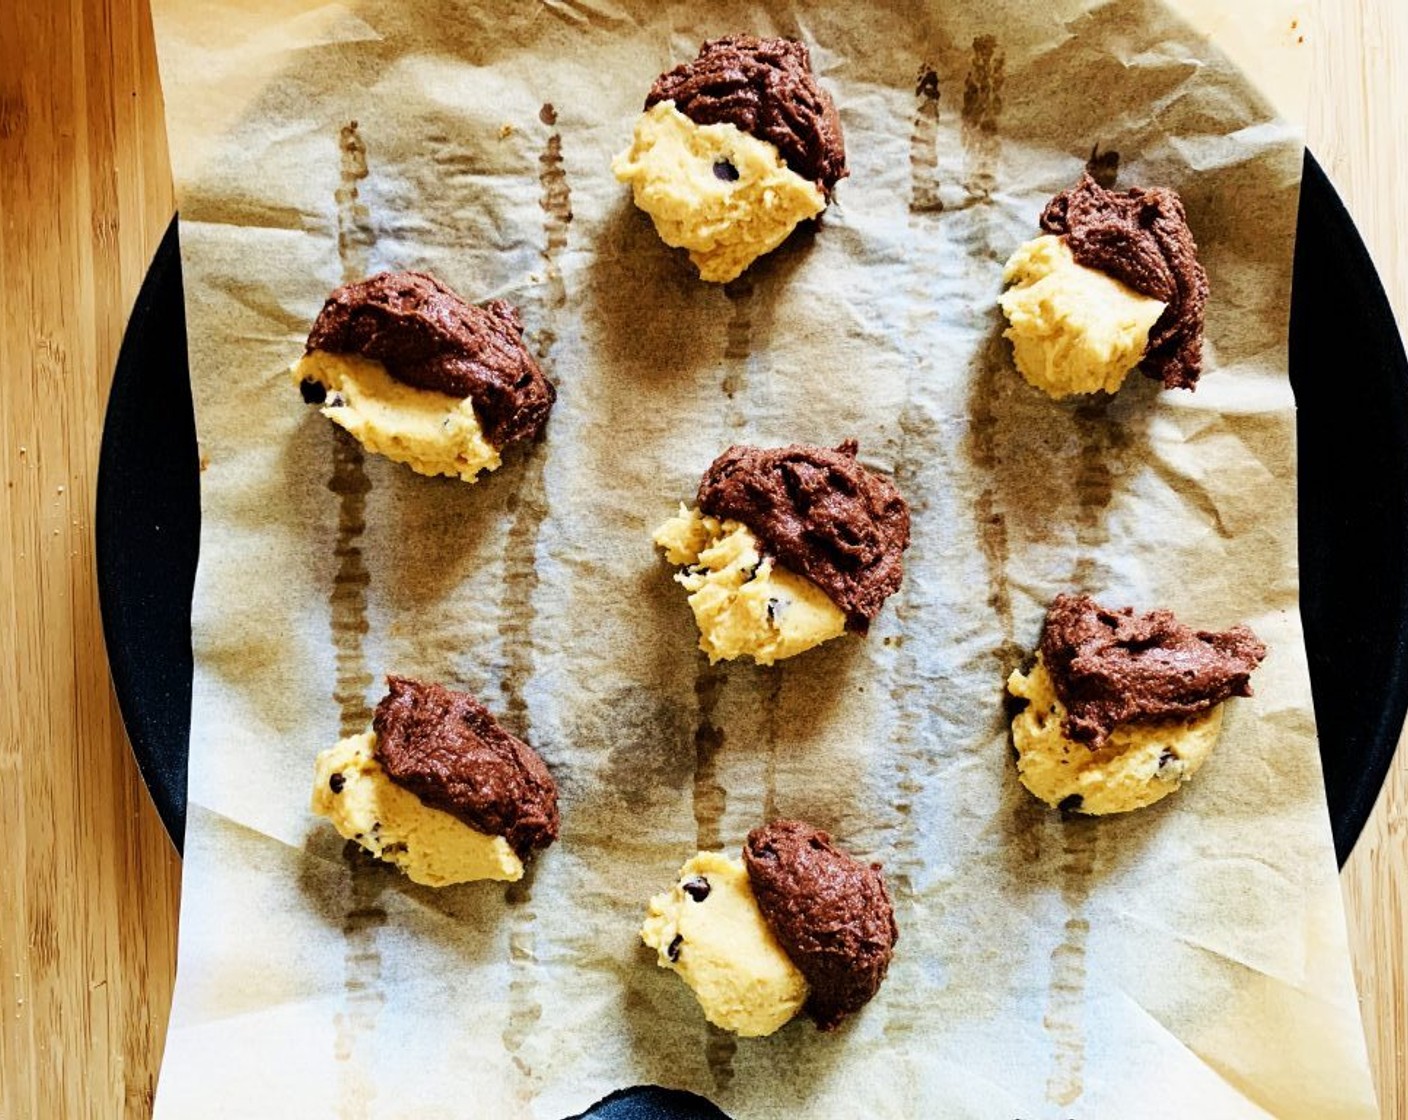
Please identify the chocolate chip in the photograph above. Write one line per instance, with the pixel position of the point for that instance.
(772, 610)
(725, 171)
(335, 400)
(314, 392)
(697, 888)
(336, 782)
(1071, 804)
(673, 952)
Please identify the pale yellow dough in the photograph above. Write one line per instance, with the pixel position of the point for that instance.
(744, 604)
(393, 824)
(1073, 329)
(725, 225)
(1139, 764)
(725, 951)
(432, 433)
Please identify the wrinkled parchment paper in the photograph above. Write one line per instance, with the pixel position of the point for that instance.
(1188, 960)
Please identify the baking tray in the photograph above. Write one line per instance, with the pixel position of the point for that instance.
(1348, 370)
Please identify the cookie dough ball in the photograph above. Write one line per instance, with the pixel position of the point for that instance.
(744, 604)
(432, 847)
(733, 151)
(709, 930)
(1140, 240)
(787, 548)
(1073, 329)
(415, 373)
(1122, 709)
(438, 788)
(796, 925)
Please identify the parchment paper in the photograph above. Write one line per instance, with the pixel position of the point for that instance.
(1188, 960)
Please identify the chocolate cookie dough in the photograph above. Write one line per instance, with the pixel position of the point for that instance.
(796, 924)
(830, 912)
(820, 513)
(1119, 710)
(1114, 666)
(733, 150)
(788, 548)
(1154, 304)
(419, 375)
(447, 749)
(766, 88)
(438, 788)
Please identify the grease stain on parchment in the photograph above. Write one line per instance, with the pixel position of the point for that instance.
(982, 143)
(516, 610)
(990, 364)
(738, 345)
(924, 145)
(1104, 167)
(982, 109)
(363, 996)
(1064, 1019)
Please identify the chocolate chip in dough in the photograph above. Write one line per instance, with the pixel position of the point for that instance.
(725, 171)
(1071, 804)
(697, 888)
(673, 952)
(336, 782)
(313, 392)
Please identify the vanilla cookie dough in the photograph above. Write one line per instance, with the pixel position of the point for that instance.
(708, 929)
(1137, 764)
(734, 150)
(418, 375)
(1073, 329)
(438, 788)
(712, 189)
(786, 548)
(796, 925)
(1113, 284)
(1119, 710)
(432, 433)
(744, 605)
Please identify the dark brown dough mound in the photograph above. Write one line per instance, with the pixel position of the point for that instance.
(764, 87)
(1114, 666)
(819, 513)
(1141, 237)
(830, 913)
(447, 749)
(430, 338)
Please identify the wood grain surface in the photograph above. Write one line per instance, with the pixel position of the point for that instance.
(88, 893)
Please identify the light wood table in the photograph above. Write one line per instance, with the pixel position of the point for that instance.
(88, 894)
